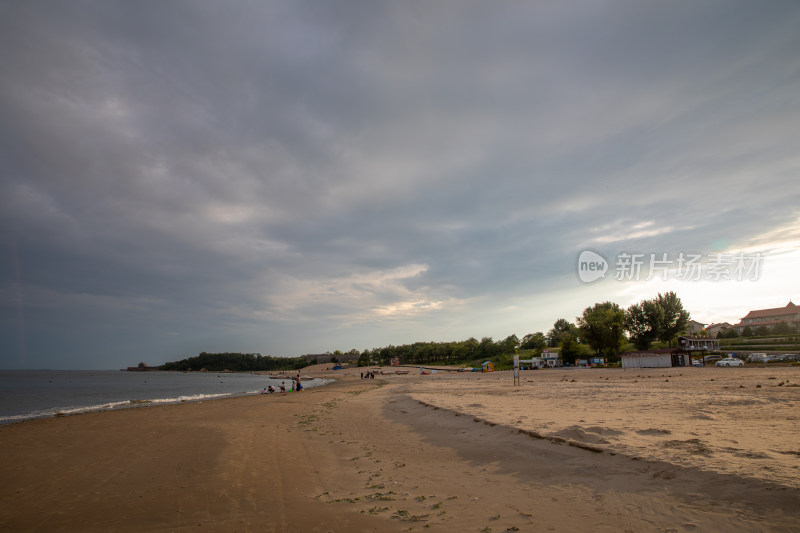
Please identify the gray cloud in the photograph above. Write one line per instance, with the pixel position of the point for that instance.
(288, 177)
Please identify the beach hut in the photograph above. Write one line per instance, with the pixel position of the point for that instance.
(487, 366)
(658, 358)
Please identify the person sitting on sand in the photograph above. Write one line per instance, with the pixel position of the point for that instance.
(270, 389)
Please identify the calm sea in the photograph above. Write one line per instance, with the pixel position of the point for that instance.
(28, 394)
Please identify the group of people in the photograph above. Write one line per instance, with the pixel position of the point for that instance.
(368, 375)
(296, 385)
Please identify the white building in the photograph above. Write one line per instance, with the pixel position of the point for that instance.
(660, 358)
(548, 359)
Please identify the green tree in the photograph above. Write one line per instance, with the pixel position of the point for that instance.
(562, 325)
(673, 317)
(661, 318)
(640, 322)
(488, 348)
(568, 347)
(602, 326)
(237, 362)
(533, 341)
(509, 344)
(472, 347)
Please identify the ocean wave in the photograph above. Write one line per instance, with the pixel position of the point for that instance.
(109, 406)
(76, 392)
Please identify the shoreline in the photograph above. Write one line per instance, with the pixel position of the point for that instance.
(223, 465)
(113, 400)
(387, 454)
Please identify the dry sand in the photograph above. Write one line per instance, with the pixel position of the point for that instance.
(694, 449)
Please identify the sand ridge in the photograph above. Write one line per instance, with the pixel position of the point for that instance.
(739, 421)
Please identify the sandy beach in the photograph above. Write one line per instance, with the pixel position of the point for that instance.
(692, 449)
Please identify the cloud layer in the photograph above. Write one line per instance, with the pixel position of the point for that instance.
(290, 177)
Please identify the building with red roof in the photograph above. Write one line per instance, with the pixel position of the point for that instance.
(770, 317)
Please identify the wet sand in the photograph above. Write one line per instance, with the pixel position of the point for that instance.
(568, 450)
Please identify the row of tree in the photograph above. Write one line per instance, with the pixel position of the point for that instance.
(440, 352)
(659, 319)
(235, 362)
(603, 327)
(601, 330)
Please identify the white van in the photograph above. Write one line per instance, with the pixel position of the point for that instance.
(757, 358)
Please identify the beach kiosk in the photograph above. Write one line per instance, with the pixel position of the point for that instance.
(487, 366)
(656, 358)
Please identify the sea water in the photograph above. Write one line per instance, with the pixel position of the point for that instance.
(26, 394)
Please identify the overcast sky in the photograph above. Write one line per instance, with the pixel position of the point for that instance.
(291, 177)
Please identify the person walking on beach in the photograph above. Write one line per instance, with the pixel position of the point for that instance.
(283, 387)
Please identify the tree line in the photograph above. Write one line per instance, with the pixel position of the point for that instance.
(603, 329)
(420, 353)
(235, 362)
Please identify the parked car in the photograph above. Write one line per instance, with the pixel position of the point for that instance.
(697, 362)
(730, 361)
